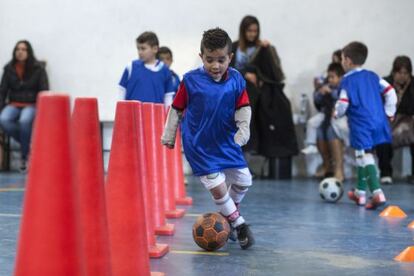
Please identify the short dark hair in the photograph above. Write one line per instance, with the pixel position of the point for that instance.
(164, 50)
(338, 54)
(214, 39)
(148, 37)
(356, 51)
(401, 62)
(336, 68)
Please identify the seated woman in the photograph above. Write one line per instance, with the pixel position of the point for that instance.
(23, 78)
(272, 131)
(329, 143)
(402, 80)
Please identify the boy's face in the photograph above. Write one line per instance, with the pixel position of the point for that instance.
(166, 58)
(346, 63)
(333, 79)
(146, 52)
(216, 62)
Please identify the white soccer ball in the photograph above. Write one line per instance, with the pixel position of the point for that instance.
(330, 189)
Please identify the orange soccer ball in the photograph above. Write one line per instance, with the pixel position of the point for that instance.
(211, 231)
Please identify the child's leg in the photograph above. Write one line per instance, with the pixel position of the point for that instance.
(312, 127)
(378, 197)
(359, 194)
(240, 180)
(215, 183)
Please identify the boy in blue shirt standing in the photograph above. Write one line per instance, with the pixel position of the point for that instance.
(147, 79)
(214, 126)
(165, 55)
(369, 102)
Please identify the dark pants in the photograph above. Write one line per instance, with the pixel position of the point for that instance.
(385, 153)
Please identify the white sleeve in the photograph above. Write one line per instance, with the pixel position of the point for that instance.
(390, 98)
(121, 93)
(168, 98)
(341, 104)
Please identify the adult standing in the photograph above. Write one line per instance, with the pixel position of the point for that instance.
(401, 79)
(272, 129)
(23, 78)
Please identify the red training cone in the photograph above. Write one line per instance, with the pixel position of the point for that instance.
(156, 250)
(179, 189)
(166, 167)
(152, 142)
(49, 242)
(126, 217)
(89, 179)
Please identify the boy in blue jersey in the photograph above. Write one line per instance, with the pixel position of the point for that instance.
(147, 79)
(369, 102)
(165, 55)
(213, 105)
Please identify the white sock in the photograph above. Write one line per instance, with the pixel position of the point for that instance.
(228, 209)
(360, 192)
(377, 191)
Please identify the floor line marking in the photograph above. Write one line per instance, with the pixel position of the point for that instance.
(12, 189)
(200, 253)
(10, 215)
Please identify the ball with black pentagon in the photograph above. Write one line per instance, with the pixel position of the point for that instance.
(330, 189)
(211, 231)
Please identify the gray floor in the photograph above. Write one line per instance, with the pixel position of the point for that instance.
(296, 233)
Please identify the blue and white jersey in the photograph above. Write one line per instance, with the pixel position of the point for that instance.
(146, 84)
(361, 94)
(208, 126)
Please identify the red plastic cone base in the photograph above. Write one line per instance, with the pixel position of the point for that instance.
(177, 213)
(158, 250)
(184, 201)
(157, 274)
(165, 230)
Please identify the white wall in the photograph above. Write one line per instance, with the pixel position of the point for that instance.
(87, 43)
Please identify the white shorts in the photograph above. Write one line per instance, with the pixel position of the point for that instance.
(241, 177)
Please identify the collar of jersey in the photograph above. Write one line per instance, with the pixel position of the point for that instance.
(358, 69)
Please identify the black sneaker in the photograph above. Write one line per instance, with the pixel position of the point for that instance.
(245, 236)
(233, 234)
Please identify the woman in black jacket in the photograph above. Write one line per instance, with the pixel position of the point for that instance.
(402, 80)
(272, 130)
(23, 78)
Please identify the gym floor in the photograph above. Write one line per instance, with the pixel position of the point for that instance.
(296, 233)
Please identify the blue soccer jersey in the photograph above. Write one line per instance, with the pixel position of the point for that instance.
(208, 126)
(367, 120)
(145, 85)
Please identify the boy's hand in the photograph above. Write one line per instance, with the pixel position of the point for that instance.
(169, 146)
(325, 89)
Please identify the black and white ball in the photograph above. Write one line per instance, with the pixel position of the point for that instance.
(330, 189)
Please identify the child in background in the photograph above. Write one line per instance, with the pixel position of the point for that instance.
(361, 101)
(166, 56)
(215, 124)
(147, 79)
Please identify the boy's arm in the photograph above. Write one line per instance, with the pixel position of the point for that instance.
(170, 130)
(242, 118)
(341, 104)
(168, 98)
(390, 98)
(169, 89)
(174, 117)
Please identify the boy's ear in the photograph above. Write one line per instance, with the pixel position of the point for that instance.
(201, 55)
(231, 56)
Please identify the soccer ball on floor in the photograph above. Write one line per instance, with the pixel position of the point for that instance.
(211, 231)
(330, 189)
